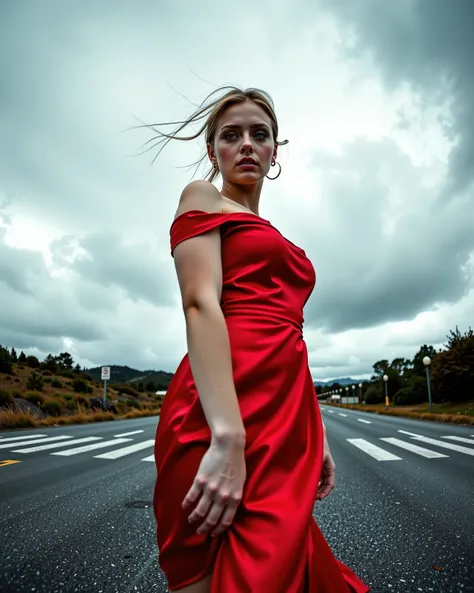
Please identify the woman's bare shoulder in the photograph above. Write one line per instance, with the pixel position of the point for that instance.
(199, 195)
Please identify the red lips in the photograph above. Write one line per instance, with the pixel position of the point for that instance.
(247, 161)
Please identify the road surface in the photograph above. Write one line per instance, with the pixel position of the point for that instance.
(76, 514)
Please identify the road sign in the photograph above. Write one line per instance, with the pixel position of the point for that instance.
(105, 375)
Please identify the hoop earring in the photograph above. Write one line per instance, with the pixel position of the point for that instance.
(279, 171)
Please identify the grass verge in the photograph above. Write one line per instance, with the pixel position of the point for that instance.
(449, 413)
(17, 418)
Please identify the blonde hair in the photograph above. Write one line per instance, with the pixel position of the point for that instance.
(210, 110)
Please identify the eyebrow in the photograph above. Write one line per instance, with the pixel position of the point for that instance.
(233, 126)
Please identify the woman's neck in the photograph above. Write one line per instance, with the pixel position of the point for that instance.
(248, 196)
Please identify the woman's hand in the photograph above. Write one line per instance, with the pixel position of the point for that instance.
(328, 473)
(220, 482)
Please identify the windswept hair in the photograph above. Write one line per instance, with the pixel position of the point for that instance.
(207, 115)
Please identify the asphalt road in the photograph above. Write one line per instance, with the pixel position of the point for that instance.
(402, 519)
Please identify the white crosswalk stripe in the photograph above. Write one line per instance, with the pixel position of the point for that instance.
(413, 448)
(23, 438)
(376, 452)
(87, 448)
(56, 445)
(444, 445)
(460, 439)
(129, 434)
(34, 442)
(116, 453)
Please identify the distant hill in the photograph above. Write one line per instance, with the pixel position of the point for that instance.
(125, 374)
(344, 381)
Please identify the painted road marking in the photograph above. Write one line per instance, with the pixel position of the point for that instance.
(56, 445)
(444, 445)
(9, 462)
(149, 458)
(126, 450)
(364, 421)
(460, 440)
(414, 448)
(23, 438)
(376, 452)
(344, 415)
(127, 434)
(34, 442)
(86, 448)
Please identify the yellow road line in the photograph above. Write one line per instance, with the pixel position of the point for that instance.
(9, 462)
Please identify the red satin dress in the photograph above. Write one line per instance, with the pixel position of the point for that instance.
(273, 544)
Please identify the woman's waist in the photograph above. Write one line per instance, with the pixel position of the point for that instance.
(260, 317)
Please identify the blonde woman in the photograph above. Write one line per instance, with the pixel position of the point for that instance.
(241, 451)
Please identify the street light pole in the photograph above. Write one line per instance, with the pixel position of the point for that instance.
(360, 396)
(385, 378)
(427, 362)
(353, 392)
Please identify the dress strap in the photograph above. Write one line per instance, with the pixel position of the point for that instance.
(197, 222)
(193, 223)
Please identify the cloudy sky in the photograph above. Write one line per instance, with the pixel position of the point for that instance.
(377, 183)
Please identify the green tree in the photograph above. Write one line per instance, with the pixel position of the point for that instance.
(14, 355)
(5, 361)
(50, 363)
(32, 362)
(22, 358)
(452, 370)
(380, 369)
(418, 366)
(65, 361)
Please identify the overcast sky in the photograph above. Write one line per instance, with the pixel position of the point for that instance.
(377, 186)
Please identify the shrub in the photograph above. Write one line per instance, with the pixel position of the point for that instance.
(374, 394)
(127, 390)
(52, 407)
(32, 362)
(35, 382)
(47, 373)
(80, 386)
(5, 361)
(47, 380)
(133, 403)
(68, 397)
(6, 398)
(72, 405)
(34, 397)
(56, 383)
(81, 400)
(414, 393)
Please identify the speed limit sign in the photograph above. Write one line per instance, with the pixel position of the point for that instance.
(105, 375)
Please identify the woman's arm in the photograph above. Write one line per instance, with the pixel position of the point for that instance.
(199, 269)
(220, 478)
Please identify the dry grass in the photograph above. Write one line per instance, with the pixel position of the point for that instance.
(449, 413)
(74, 407)
(17, 418)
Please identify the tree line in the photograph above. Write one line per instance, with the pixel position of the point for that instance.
(61, 364)
(451, 373)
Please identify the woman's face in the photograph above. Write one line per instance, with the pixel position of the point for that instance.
(243, 144)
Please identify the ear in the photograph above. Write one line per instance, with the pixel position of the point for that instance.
(211, 153)
(275, 152)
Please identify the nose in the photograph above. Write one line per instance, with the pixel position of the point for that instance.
(246, 146)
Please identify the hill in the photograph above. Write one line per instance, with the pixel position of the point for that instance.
(125, 374)
(344, 381)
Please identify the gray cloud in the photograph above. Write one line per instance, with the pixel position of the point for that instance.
(366, 274)
(428, 44)
(138, 269)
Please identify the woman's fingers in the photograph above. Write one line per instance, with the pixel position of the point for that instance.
(227, 516)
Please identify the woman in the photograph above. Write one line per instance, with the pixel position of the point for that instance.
(241, 450)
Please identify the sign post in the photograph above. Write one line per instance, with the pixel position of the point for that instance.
(105, 376)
